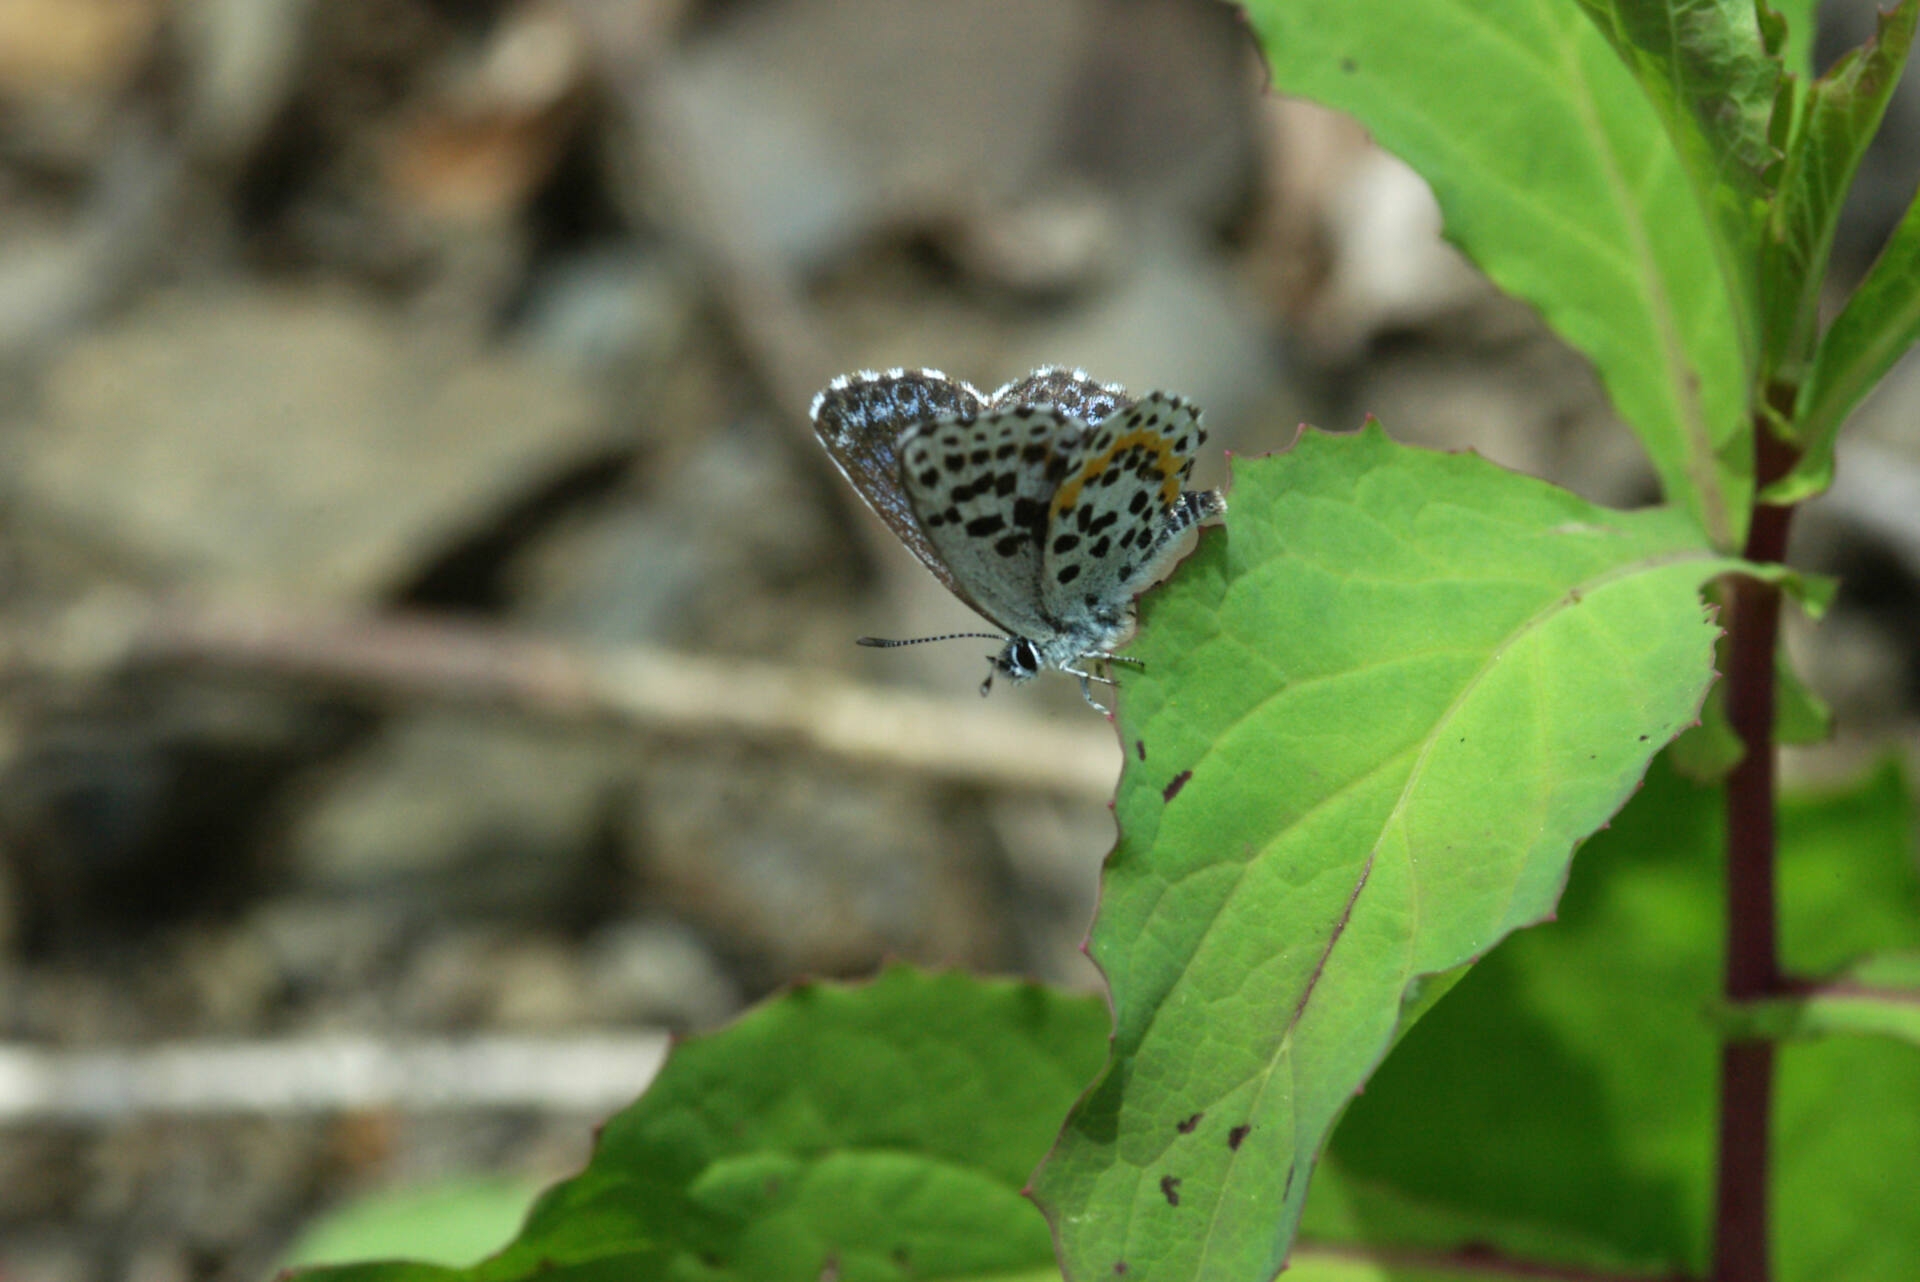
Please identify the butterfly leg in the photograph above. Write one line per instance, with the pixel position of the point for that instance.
(1086, 692)
(1086, 687)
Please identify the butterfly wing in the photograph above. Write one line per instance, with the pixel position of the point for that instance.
(1071, 391)
(861, 418)
(1119, 505)
(980, 486)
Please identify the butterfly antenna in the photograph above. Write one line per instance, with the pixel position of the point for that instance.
(884, 644)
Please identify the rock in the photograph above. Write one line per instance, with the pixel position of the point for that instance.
(657, 971)
(446, 813)
(270, 442)
(1150, 102)
(807, 871)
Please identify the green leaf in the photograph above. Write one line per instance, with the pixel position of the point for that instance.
(1560, 181)
(1840, 113)
(878, 1131)
(1796, 53)
(1564, 1092)
(454, 1222)
(1378, 711)
(382, 1271)
(1878, 996)
(1876, 327)
(1705, 67)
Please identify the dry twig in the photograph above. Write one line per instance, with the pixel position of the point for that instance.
(586, 1073)
(417, 658)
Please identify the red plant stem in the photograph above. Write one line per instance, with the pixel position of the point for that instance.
(1753, 959)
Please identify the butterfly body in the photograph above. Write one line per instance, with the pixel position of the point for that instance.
(1046, 506)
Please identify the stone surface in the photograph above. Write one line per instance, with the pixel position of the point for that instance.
(289, 443)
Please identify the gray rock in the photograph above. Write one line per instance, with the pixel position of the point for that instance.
(292, 444)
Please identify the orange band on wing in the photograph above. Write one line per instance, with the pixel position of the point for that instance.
(1163, 460)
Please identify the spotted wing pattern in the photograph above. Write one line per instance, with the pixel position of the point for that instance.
(860, 419)
(1071, 391)
(981, 486)
(1119, 506)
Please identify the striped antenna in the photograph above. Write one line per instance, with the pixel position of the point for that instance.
(884, 644)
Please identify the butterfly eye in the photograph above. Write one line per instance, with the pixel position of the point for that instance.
(1022, 659)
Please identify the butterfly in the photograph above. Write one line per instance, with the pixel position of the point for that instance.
(1046, 507)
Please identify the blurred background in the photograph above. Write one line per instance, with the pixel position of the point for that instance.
(426, 664)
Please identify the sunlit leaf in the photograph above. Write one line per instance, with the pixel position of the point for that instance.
(1380, 709)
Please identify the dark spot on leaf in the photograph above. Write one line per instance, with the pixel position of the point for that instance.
(1119, 1268)
(1186, 1127)
(1349, 66)
(1643, 738)
(1289, 1185)
(1237, 1134)
(1170, 1189)
(1178, 782)
(1140, 747)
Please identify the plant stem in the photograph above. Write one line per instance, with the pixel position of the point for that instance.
(1753, 960)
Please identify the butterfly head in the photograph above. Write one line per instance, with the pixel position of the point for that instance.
(1018, 660)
